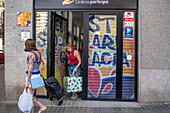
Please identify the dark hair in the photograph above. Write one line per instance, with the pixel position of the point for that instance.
(30, 45)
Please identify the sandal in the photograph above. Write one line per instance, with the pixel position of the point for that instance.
(74, 96)
(42, 109)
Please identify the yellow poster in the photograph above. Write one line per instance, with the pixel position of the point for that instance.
(23, 18)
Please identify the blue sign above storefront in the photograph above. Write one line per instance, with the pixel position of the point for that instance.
(85, 4)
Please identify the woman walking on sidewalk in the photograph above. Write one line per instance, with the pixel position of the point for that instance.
(75, 62)
(34, 60)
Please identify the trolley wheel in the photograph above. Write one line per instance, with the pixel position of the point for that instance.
(62, 89)
(51, 98)
(60, 102)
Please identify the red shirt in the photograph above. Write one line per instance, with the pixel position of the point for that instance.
(72, 58)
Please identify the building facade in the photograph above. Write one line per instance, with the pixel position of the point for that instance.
(125, 46)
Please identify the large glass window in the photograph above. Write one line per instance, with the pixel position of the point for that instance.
(102, 56)
(128, 83)
(60, 43)
(41, 42)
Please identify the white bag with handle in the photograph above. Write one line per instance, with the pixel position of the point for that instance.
(25, 102)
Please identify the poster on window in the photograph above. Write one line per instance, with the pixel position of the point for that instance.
(129, 19)
(128, 32)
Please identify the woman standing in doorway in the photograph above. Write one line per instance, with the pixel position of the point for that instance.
(34, 60)
(75, 62)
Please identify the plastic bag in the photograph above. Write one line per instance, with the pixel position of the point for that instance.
(25, 102)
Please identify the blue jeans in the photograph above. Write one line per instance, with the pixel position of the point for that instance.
(72, 68)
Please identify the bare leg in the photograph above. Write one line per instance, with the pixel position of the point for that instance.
(42, 107)
(36, 101)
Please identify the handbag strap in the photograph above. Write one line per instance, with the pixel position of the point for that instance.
(74, 74)
(26, 90)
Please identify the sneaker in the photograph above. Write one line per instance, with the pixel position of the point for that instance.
(74, 96)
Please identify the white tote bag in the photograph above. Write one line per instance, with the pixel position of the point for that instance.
(25, 102)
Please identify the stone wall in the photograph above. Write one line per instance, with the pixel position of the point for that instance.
(154, 55)
(15, 57)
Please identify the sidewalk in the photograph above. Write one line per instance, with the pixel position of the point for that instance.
(79, 106)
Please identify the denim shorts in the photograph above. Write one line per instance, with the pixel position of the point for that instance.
(72, 68)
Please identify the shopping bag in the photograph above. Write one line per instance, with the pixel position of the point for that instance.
(37, 82)
(65, 83)
(73, 84)
(79, 84)
(25, 102)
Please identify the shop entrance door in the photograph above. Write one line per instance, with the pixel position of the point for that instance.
(109, 53)
(104, 52)
(58, 42)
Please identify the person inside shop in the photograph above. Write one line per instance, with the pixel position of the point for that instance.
(34, 59)
(75, 62)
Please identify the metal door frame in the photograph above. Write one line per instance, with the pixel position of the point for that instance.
(53, 23)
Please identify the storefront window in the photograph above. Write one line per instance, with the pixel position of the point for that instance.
(102, 56)
(60, 43)
(128, 84)
(41, 42)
